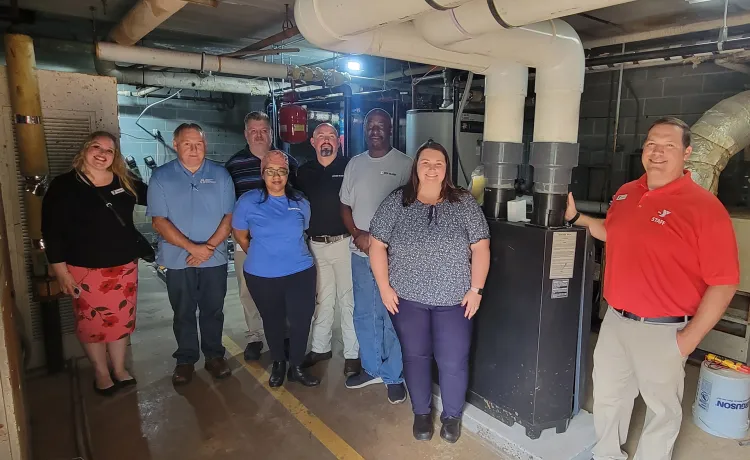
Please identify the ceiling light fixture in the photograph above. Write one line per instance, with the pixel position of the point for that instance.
(354, 66)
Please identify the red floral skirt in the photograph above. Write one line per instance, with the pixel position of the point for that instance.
(105, 310)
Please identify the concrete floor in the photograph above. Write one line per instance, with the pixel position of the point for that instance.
(237, 418)
(241, 418)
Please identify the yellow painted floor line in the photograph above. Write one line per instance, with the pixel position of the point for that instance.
(317, 428)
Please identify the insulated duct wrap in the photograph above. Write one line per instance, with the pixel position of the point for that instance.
(720, 133)
(553, 164)
(501, 160)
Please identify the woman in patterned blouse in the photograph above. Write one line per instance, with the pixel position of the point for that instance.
(430, 253)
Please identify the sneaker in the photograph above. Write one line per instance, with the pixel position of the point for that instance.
(252, 351)
(362, 380)
(396, 393)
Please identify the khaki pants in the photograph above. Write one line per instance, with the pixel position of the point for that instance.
(334, 265)
(252, 317)
(632, 357)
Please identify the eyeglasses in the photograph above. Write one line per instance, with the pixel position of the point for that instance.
(276, 172)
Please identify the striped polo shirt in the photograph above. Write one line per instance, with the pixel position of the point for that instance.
(244, 167)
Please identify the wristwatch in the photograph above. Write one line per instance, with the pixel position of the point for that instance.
(479, 291)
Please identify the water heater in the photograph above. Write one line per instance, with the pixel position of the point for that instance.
(424, 124)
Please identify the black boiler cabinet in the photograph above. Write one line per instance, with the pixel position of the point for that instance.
(529, 357)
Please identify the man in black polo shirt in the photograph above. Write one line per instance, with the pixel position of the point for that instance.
(329, 242)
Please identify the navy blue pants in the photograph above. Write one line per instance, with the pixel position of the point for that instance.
(424, 331)
(203, 289)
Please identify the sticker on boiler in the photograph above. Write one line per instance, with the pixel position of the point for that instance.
(560, 289)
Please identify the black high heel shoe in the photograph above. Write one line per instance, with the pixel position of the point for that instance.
(297, 374)
(277, 374)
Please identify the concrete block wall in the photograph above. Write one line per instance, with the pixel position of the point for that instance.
(221, 121)
(683, 91)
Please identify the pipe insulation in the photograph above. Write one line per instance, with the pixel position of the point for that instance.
(145, 16)
(720, 133)
(210, 63)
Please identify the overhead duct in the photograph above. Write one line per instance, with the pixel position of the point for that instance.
(210, 63)
(720, 133)
(143, 18)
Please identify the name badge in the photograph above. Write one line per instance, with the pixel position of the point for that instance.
(208, 181)
(621, 197)
(118, 191)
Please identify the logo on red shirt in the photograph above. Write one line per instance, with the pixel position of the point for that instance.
(662, 214)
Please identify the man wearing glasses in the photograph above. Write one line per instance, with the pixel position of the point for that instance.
(244, 167)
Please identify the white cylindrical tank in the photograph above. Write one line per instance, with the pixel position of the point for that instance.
(424, 124)
(721, 403)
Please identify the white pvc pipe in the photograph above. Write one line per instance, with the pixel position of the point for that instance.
(144, 17)
(671, 31)
(554, 49)
(402, 41)
(505, 95)
(326, 22)
(205, 62)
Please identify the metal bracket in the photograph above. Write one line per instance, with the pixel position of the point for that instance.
(36, 185)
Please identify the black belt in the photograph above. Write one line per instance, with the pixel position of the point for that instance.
(328, 239)
(661, 319)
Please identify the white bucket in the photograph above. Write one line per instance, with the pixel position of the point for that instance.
(721, 403)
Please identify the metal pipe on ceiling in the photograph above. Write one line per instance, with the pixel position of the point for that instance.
(269, 41)
(682, 51)
(671, 31)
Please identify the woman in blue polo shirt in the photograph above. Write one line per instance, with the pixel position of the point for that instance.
(269, 224)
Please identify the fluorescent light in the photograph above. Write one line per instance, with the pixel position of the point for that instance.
(697, 1)
(354, 66)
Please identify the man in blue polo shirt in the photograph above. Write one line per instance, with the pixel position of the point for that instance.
(190, 201)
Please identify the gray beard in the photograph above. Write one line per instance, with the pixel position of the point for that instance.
(326, 151)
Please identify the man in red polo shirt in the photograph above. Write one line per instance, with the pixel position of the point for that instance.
(672, 268)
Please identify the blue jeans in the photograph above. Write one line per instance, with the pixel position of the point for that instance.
(444, 333)
(202, 289)
(379, 348)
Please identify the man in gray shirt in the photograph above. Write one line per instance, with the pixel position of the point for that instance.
(368, 179)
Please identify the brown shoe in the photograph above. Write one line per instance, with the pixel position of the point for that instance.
(183, 374)
(218, 368)
(352, 367)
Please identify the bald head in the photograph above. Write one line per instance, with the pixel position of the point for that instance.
(378, 132)
(325, 141)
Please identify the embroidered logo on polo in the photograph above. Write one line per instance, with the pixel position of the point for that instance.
(337, 176)
(208, 181)
(118, 191)
(621, 197)
(662, 214)
(388, 173)
(294, 209)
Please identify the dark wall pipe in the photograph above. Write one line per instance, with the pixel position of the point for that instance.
(683, 51)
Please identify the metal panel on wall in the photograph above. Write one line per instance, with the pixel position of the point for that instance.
(73, 105)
